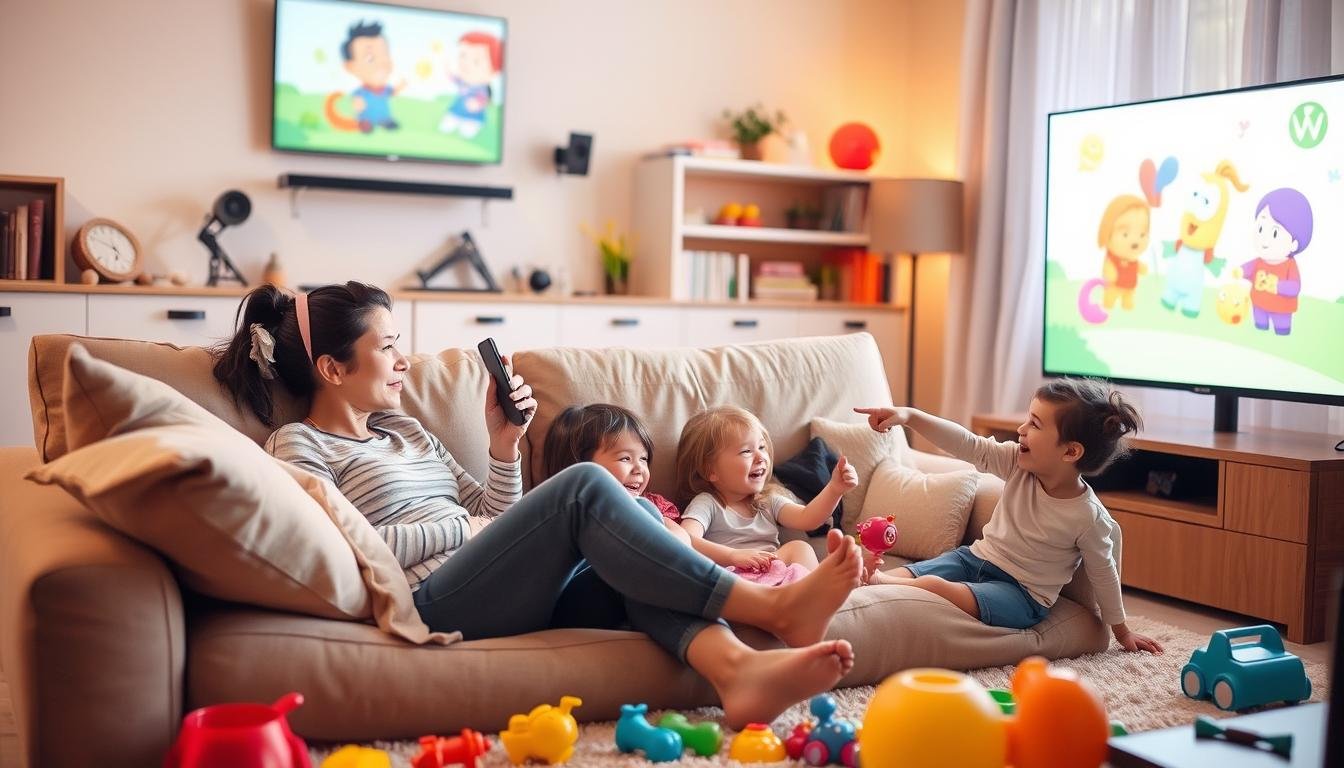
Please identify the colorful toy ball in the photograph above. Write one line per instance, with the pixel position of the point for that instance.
(878, 534)
(854, 146)
(932, 718)
(1061, 721)
(353, 756)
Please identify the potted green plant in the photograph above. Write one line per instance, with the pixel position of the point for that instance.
(750, 126)
(802, 216)
(616, 252)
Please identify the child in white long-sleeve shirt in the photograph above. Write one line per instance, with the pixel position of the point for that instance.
(1048, 519)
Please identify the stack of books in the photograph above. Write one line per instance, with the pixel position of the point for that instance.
(698, 148)
(784, 281)
(21, 242)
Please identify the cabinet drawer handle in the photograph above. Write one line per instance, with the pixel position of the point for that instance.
(746, 323)
(624, 322)
(856, 325)
(489, 320)
(186, 314)
(5, 312)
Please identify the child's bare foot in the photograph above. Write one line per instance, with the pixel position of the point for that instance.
(765, 683)
(805, 607)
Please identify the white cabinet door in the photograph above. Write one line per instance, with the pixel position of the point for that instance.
(619, 325)
(23, 316)
(715, 326)
(199, 321)
(886, 326)
(441, 325)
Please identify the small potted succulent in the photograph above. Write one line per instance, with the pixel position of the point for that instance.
(617, 252)
(750, 126)
(802, 216)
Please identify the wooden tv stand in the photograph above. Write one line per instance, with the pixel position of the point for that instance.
(1256, 525)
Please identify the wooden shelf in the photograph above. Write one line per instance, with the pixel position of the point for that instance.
(703, 167)
(775, 235)
(18, 190)
(352, 184)
(1198, 511)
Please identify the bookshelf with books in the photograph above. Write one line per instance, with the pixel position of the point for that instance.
(684, 240)
(32, 229)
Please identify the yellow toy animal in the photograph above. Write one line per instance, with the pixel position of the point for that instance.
(1201, 225)
(1234, 302)
(546, 733)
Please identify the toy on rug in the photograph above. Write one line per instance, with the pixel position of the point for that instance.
(757, 744)
(467, 748)
(878, 534)
(830, 741)
(633, 732)
(704, 739)
(546, 733)
(940, 717)
(1208, 728)
(239, 736)
(1238, 673)
(1060, 722)
(1004, 698)
(353, 756)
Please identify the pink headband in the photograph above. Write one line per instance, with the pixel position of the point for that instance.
(301, 313)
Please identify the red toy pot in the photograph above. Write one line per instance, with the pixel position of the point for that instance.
(239, 736)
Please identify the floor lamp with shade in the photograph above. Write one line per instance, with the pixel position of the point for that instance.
(914, 216)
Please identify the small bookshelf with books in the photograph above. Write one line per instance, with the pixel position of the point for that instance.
(32, 229)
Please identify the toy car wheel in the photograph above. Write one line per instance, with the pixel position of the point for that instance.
(1224, 695)
(1192, 682)
(849, 756)
(816, 753)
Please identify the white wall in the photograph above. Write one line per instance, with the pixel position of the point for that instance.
(151, 108)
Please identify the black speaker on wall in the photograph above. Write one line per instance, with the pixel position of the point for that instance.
(573, 158)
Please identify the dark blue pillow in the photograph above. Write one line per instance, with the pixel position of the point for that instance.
(809, 472)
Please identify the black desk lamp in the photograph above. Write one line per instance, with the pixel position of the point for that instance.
(914, 216)
(230, 209)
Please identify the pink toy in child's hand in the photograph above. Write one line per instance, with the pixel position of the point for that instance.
(878, 534)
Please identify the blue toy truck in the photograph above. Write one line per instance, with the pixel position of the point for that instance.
(1238, 672)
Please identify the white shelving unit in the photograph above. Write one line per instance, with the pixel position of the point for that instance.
(667, 187)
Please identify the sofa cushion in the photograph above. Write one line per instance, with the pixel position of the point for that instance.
(159, 468)
(864, 449)
(446, 393)
(784, 383)
(186, 369)
(930, 510)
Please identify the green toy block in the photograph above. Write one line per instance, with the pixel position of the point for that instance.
(704, 739)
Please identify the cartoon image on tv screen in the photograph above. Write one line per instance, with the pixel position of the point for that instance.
(388, 81)
(1191, 241)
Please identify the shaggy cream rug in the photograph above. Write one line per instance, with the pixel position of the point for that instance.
(1141, 691)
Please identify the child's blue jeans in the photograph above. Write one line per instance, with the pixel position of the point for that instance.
(1002, 601)
(562, 550)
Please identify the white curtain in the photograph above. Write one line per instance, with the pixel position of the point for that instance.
(1025, 58)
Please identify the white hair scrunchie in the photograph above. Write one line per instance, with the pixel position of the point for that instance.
(263, 350)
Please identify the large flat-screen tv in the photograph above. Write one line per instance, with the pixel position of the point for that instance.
(388, 81)
(1198, 242)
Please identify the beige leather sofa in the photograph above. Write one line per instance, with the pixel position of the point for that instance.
(104, 651)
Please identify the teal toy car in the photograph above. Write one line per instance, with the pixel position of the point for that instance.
(1239, 672)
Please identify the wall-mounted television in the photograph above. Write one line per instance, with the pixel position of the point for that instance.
(388, 81)
(1198, 243)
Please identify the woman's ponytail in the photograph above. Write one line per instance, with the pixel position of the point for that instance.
(266, 346)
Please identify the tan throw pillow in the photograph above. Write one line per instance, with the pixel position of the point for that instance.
(931, 510)
(864, 449)
(238, 523)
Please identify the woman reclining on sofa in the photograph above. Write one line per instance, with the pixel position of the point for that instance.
(574, 534)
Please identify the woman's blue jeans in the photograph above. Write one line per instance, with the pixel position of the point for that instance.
(564, 555)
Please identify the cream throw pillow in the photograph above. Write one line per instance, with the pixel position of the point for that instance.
(238, 523)
(864, 449)
(931, 510)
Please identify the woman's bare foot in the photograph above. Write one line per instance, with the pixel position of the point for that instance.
(760, 685)
(803, 609)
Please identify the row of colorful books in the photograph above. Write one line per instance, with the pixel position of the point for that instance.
(22, 246)
(856, 275)
(716, 276)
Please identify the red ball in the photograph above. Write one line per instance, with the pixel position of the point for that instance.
(854, 146)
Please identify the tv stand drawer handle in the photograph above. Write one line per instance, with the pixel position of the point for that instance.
(856, 325)
(186, 314)
(746, 323)
(489, 320)
(624, 322)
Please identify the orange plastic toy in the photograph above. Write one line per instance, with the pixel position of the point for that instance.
(1061, 721)
(353, 756)
(933, 717)
(463, 749)
(546, 733)
(757, 744)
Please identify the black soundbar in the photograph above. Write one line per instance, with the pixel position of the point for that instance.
(385, 185)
